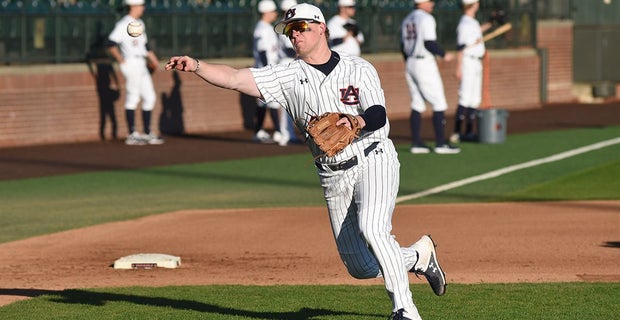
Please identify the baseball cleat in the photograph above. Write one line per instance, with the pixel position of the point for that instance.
(280, 139)
(428, 265)
(152, 138)
(398, 315)
(135, 139)
(401, 314)
(420, 149)
(447, 149)
(263, 137)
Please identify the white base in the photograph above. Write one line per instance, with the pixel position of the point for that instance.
(147, 261)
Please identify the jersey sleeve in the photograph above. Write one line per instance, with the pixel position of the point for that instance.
(371, 92)
(269, 81)
(429, 32)
(465, 33)
(117, 33)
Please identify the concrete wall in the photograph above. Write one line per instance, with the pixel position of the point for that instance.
(59, 103)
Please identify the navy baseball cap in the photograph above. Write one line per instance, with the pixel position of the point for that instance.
(302, 11)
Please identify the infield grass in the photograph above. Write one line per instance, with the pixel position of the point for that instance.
(38, 206)
(550, 301)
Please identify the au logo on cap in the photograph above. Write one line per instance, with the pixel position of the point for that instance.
(290, 13)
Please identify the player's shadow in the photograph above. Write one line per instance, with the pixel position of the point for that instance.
(248, 111)
(611, 244)
(82, 297)
(107, 82)
(171, 119)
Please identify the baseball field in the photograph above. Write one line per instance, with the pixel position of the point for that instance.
(526, 229)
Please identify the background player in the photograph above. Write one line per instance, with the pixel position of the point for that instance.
(360, 183)
(345, 35)
(471, 50)
(419, 47)
(132, 54)
(265, 50)
(286, 54)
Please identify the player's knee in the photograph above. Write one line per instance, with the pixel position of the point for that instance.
(360, 269)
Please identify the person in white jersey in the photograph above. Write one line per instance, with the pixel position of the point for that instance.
(287, 54)
(419, 48)
(360, 183)
(132, 55)
(469, 56)
(266, 45)
(345, 35)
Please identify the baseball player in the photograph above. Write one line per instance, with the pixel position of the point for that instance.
(344, 33)
(265, 50)
(286, 54)
(132, 54)
(419, 48)
(470, 51)
(360, 183)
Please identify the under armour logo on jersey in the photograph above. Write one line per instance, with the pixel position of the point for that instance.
(377, 151)
(302, 81)
(350, 95)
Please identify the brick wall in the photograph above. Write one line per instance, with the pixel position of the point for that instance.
(557, 38)
(58, 103)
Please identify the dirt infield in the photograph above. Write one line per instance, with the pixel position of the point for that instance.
(477, 243)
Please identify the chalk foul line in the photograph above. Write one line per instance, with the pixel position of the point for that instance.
(509, 169)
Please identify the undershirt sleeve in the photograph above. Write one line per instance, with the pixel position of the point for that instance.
(375, 118)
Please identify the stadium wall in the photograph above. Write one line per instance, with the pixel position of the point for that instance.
(59, 103)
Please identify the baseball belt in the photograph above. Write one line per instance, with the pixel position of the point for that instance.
(347, 164)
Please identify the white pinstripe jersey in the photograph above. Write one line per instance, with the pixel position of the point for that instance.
(267, 40)
(337, 30)
(417, 27)
(468, 32)
(351, 87)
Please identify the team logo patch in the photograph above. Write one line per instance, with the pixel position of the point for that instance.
(290, 13)
(350, 95)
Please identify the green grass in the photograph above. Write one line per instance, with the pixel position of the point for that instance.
(478, 301)
(40, 206)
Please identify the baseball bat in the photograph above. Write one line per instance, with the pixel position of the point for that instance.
(497, 32)
(493, 34)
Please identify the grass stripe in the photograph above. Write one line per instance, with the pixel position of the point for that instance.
(509, 169)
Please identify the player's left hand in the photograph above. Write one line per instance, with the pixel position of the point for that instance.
(184, 63)
(331, 133)
(353, 29)
(345, 121)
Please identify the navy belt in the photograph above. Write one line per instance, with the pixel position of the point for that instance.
(474, 57)
(420, 57)
(347, 164)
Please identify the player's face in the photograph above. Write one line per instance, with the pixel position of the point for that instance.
(137, 10)
(299, 26)
(349, 11)
(304, 35)
(427, 6)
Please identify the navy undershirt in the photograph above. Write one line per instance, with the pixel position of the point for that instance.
(434, 48)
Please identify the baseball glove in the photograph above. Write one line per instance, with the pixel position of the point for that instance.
(498, 17)
(353, 28)
(332, 138)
